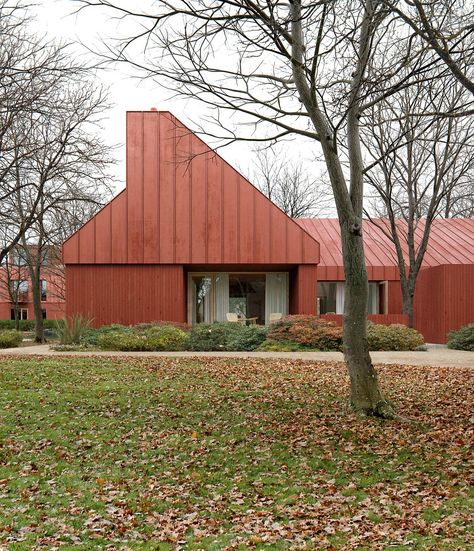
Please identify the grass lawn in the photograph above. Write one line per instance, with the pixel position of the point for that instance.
(230, 454)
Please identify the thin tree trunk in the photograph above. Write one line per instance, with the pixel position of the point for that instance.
(365, 393)
(39, 324)
(408, 295)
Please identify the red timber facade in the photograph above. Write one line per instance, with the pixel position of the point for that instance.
(444, 297)
(191, 240)
(16, 296)
(187, 223)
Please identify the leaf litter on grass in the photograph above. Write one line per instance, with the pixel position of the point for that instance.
(230, 454)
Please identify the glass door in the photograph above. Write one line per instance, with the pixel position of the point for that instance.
(202, 299)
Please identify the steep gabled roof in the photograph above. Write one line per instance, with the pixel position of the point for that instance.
(451, 242)
(184, 204)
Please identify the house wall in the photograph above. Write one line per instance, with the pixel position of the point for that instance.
(303, 290)
(54, 305)
(444, 300)
(127, 294)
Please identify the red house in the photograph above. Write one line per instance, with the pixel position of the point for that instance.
(16, 297)
(191, 240)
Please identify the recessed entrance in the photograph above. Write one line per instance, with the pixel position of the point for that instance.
(252, 296)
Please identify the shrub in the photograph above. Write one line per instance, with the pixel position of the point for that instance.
(307, 331)
(246, 337)
(71, 330)
(10, 339)
(26, 325)
(156, 338)
(462, 339)
(393, 337)
(165, 337)
(121, 341)
(160, 323)
(90, 337)
(208, 337)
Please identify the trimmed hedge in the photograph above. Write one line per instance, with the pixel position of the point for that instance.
(307, 331)
(462, 339)
(91, 336)
(26, 325)
(224, 336)
(394, 337)
(156, 338)
(10, 339)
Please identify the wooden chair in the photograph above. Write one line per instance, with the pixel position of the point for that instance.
(275, 317)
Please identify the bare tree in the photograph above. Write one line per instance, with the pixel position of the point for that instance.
(421, 164)
(68, 167)
(288, 185)
(307, 69)
(14, 282)
(447, 27)
(31, 70)
(459, 202)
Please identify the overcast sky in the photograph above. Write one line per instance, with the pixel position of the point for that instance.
(127, 93)
(90, 28)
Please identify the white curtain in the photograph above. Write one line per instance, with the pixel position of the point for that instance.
(276, 294)
(222, 296)
(373, 305)
(340, 293)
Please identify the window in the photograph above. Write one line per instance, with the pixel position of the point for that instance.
(22, 313)
(331, 297)
(253, 296)
(19, 286)
(247, 296)
(43, 289)
(43, 313)
(19, 257)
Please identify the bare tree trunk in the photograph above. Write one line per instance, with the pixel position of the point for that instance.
(408, 295)
(38, 311)
(365, 392)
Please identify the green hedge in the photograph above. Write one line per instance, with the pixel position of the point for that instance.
(462, 339)
(156, 338)
(223, 336)
(393, 337)
(26, 325)
(10, 339)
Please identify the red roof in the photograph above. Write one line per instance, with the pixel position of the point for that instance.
(451, 242)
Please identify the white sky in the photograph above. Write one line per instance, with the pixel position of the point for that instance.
(91, 26)
(127, 93)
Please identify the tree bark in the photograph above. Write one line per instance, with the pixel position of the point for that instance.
(366, 396)
(38, 311)
(408, 295)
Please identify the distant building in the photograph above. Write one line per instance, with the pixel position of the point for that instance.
(16, 290)
(191, 240)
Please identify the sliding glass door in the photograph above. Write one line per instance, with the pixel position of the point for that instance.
(251, 296)
(247, 296)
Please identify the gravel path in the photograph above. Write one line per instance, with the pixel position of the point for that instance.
(435, 356)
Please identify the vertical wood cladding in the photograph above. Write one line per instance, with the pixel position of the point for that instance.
(127, 294)
(303, 290)
(444, 300)
(185, 205)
